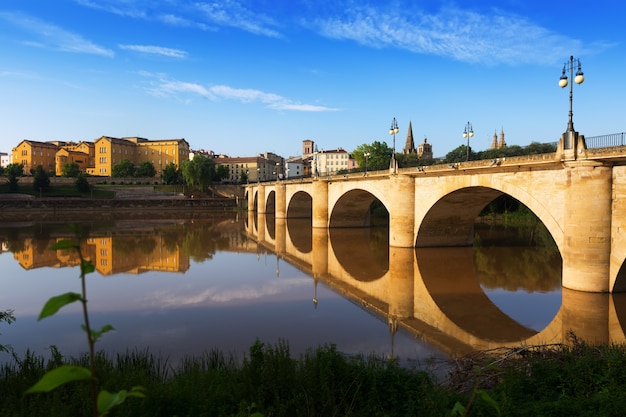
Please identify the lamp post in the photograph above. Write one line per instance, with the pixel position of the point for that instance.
(468, 133)
(277, 171)
(392, 131)
(258, 175)
(569, 66)
(366, 155)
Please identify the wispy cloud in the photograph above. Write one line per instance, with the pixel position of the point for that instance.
(461, 34)
(161, 86)
(204, 15)
(156, 50)
(232, 14)
(120, 8)
(53, 37)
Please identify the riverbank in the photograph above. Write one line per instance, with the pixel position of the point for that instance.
(29, 208)
(574, 380)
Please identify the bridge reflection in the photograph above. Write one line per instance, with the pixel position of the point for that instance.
(432, 293)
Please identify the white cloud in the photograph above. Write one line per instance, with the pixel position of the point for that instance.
(162, 86)
(53, 37)
(157, 50)
(232, 14)
(461, 34)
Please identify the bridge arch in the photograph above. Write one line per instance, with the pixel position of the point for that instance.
(352, 209)
(300, 205)
(450, 215)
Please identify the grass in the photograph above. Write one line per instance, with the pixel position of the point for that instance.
(556, 380)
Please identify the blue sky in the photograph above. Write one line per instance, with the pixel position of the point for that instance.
(243, 77)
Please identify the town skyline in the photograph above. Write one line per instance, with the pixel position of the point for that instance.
(247, 77)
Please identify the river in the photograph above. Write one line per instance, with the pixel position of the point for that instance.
(179, 287)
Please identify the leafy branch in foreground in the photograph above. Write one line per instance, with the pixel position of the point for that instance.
(8, 317)
(103, 401)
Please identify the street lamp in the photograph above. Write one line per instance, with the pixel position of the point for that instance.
(468, 133)
(366, 155)
(277, 171)
(569, 66)
(392, 131)
(258, 175)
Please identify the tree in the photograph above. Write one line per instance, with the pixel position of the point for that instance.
(146, 170)
(70, 169)
(12, 172)
(124, 168)
(199, 172)
(81, 183)
(171, 174)
(379, 155)
(41, 181)
(459, 154)
(244, 177)
(222, 172)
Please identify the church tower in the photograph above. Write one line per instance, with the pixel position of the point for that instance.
(425, 150)
(494, 142)
(502, 143)
(409, 146)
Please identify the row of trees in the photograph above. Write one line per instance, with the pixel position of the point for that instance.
(379, 155)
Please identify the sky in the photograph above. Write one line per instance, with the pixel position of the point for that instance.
(243, 77)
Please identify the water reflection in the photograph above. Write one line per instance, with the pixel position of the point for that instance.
(276, 278)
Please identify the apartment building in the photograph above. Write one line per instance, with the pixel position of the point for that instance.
(31, 153)
(264, 167)
(110, 151)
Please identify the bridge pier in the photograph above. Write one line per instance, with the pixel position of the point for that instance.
(320, 204)
(587, 226)
(402, 212)
(260, 199)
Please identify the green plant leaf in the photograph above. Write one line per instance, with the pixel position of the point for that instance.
(59, 376)
(487, 398)
(108, 400)
(96, 334)
(87, 267)
(63, 244)
(458, 409)
(55, 303)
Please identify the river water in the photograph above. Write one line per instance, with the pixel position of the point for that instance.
(179, 287)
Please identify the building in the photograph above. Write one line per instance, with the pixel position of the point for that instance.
(31, 153)
(328, 162)
(295, 167)
(111, 151)
(5, 159)
(425, 150)
(82, 154)
(263, 167)
(98, 158)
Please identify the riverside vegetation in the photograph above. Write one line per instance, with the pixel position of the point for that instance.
(571, 379)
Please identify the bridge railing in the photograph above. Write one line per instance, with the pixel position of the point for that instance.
(606, 141)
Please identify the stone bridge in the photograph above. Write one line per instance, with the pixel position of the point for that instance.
(577, 193)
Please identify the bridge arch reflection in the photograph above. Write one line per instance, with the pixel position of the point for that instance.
(434, 294)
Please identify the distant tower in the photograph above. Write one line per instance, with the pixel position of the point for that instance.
(425, 150)
(409, 146)
(502, 143)
(307, 148)
(494, 142)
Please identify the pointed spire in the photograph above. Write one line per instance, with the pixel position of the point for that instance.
(494, 142)
(502, 142)
(409, 146)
